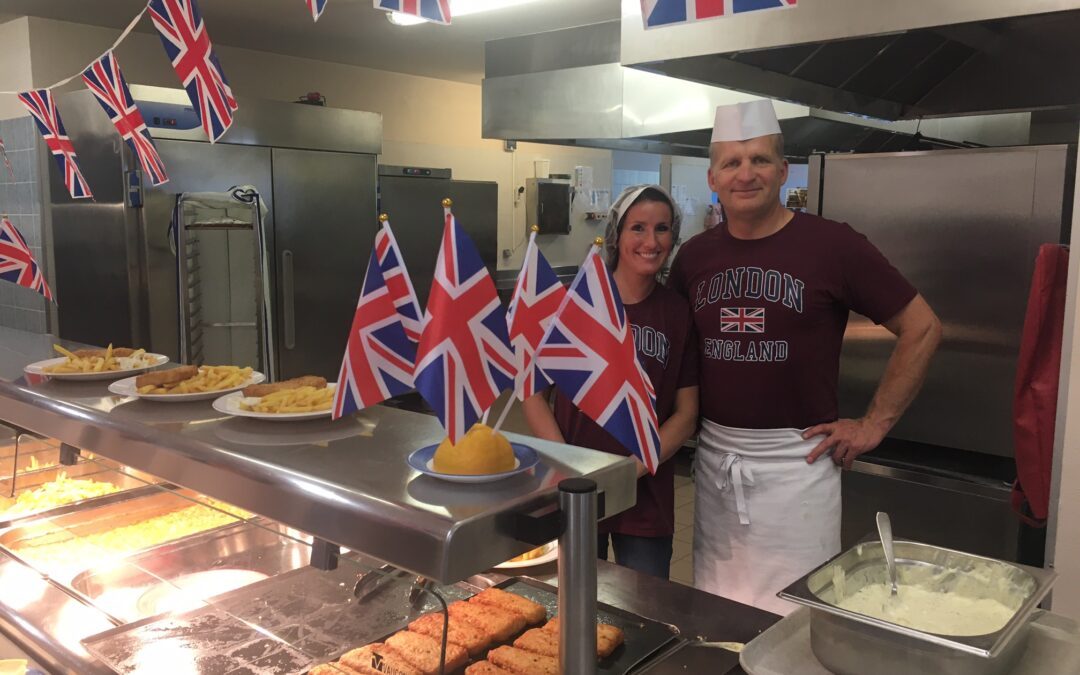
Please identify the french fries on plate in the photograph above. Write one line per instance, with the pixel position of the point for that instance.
(191, 380)
(299, 395)
(99, 360)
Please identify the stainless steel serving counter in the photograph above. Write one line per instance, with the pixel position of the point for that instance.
(346, 482)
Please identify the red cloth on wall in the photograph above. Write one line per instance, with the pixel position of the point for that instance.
(1037, 374)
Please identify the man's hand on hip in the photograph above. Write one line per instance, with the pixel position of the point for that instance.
(846, 438)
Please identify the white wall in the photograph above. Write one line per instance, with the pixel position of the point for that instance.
(15, 72)
(426, 122)
(1063, 540)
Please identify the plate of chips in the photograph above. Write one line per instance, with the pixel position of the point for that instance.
(538, 556)
(187, 383)
(96, 364)
(286, 405)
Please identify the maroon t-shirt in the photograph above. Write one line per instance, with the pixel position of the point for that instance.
(770, 315)
(663, 336)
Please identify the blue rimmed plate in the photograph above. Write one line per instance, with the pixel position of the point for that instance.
(525, 456)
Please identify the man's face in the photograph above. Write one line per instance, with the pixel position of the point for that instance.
(747, 175)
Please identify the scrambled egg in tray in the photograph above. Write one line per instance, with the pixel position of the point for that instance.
(58, 492)
(62, 549)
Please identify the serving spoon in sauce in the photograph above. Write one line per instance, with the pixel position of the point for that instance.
(884, 528)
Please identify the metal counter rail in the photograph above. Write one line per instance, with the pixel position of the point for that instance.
(346, 482)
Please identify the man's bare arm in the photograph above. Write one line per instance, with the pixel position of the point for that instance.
(918, 332)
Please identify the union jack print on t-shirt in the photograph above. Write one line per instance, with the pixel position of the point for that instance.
(742, 320)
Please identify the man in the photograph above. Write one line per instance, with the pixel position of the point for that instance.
(770, 290)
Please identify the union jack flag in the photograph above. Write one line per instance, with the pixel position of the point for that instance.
(17, 263)
(316, 8)
(187, 43)
(670, 12)
(379, 357)
(397, 281)
(537, 297)
(588, 351)
(742, 320)
(42, 106)
(104, 79)
(432, 10)
(464, 360)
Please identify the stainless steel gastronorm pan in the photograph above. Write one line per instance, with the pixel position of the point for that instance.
(849, 643)
(70, 526)
(242, 546)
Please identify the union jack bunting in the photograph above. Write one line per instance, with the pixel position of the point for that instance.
(537, 297)
(187, 43)
(464, 359)
(742, 320)
(588, 351)
(316, 8)
(397, 281)
(17, 263)
(670, 12)
(42, 106)
(432, 10)
(7, 162)
(104, 79)
(379, 357)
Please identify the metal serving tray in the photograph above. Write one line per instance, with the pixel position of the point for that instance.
(849, 643)
(72, 525)
(127, 590)
(130, 487)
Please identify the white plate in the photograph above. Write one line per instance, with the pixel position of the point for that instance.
(551, 554)
(126, 387)
(38, 368)
(230, 405)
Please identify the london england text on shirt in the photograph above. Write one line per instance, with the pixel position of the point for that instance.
(754, 283)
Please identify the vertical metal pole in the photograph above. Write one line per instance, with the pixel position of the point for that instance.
(577, 577)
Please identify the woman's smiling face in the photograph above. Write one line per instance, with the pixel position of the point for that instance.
(646, 239)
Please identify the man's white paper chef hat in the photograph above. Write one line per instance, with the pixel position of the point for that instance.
(743, 121)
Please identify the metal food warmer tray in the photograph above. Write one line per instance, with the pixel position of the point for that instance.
(850, 643)
(345, 483)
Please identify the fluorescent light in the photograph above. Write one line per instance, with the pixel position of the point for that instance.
(457, 8)
(401, 19)
(466, 7)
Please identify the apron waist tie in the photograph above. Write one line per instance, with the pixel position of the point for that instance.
(734, 474)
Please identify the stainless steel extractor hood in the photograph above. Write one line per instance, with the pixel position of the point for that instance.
(568, 87)
(889, 60)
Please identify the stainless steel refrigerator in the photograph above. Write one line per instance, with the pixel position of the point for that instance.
(314, 167)
(412, 198)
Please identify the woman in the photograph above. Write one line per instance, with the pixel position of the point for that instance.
(643, 228)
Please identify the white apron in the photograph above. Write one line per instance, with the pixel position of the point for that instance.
(763, 517)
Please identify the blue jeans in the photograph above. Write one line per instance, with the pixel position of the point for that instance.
(648, 555)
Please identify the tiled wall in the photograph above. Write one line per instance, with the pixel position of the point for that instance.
(20, 200)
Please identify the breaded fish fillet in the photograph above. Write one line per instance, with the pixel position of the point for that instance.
(522, 662)
(258, 390)
(533, 612)
(460, 633)
(379, 658)
(339, 669)
(486, 668)
(500, 624)
(170, 376)
(92, 353)
(422, 652)
(608, 637)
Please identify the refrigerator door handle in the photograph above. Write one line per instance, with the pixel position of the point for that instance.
(288, 313)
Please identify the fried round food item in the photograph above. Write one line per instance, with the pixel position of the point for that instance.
(171, 376)
(259, 390)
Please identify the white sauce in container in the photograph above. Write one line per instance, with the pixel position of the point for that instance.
(931, 611)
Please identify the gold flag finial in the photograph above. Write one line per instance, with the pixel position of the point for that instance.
(383, 217)
(447, 203)
(534, 228)
(599, 241)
